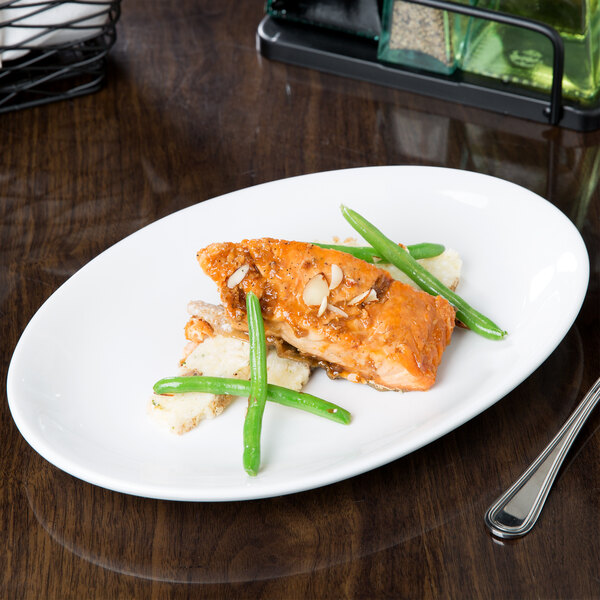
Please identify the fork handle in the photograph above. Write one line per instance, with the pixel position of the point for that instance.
(516, 511)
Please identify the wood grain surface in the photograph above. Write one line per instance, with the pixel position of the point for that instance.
(191, 111)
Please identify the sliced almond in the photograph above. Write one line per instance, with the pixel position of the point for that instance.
(359, 298)
(336, 277)
(371, 296)
(337, 311)
(322, 307)
(315, 290)
(237, 276)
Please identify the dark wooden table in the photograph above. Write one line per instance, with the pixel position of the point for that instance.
(191, 111)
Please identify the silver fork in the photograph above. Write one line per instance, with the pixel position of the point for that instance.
(516, 511)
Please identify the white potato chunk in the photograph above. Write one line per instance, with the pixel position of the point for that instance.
(182, 412)
(446, 267)
(219, 356)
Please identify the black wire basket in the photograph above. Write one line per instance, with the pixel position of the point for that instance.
(54, 60)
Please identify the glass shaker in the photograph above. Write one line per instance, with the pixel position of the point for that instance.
(421, 37)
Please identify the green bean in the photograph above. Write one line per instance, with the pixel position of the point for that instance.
(368, 253)
(258, 385)
(241, 387)
(405, 262)
(425, 250)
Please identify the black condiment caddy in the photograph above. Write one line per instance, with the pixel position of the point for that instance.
(288, 33)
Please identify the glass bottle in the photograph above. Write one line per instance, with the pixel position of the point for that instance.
(421, 37)
(524, 58)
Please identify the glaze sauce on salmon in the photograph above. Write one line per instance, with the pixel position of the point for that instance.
(367, 328)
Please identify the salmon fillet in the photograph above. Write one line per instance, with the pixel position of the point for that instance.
(369, 328)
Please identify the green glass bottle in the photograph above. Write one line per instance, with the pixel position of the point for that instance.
(425, 38)
(524, 58)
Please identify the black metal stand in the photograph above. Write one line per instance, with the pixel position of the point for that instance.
(355, 57)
